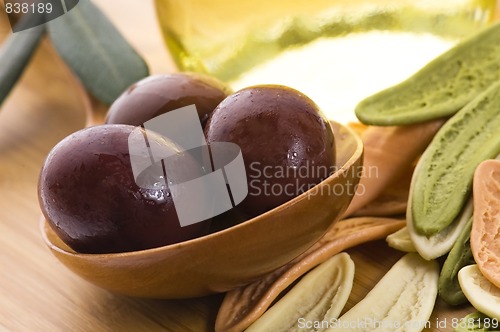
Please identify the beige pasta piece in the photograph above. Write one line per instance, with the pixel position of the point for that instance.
(401, 240)
(481, 293)
(402, 300)
(316, 299)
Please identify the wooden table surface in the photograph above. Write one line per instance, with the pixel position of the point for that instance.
(37, 293)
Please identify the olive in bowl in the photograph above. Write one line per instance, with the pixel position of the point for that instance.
(159, 94)
(89, 195)
(286, 142)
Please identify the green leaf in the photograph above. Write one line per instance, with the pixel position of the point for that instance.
(15, 54)
(96, 51)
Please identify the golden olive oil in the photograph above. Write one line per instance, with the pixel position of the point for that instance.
(336, 51)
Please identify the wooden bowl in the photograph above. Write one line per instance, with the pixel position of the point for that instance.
(232, 257)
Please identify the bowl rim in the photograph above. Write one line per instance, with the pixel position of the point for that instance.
(358, 152)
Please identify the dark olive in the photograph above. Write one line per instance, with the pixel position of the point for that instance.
(90, 198)
(159, 94)
(286, 142)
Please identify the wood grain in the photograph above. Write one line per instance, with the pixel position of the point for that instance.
(37, 293)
